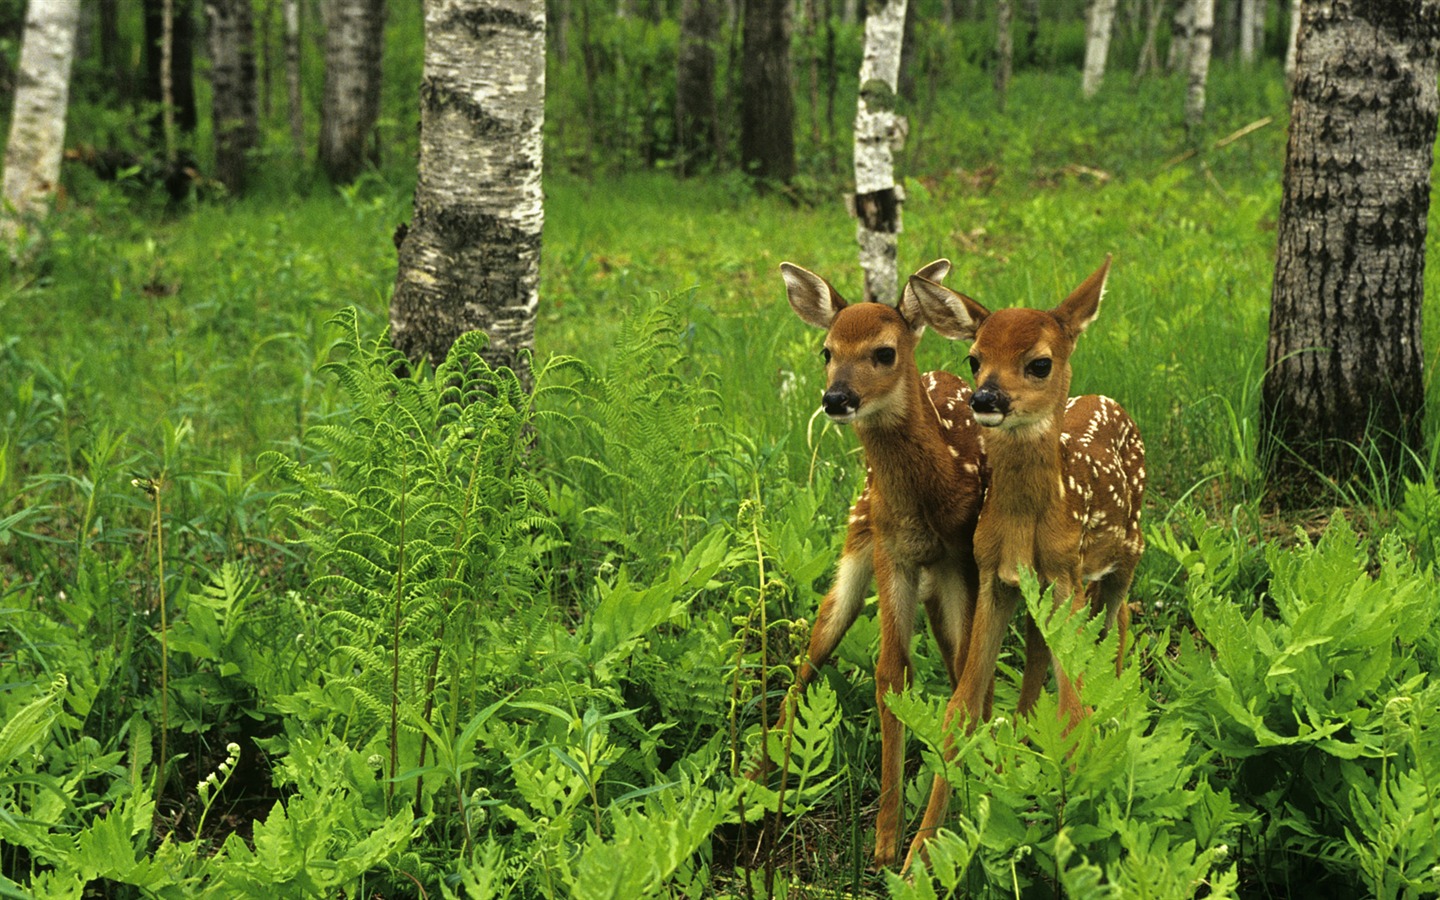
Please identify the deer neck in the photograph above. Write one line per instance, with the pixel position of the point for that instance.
(904, 450)
(1026, 469)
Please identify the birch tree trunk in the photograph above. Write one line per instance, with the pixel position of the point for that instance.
(879, 132)
(232, 78)
(470, 258)
(1097, 44)
(1198, 62)
(1344, 367)
(1181, 31)
(37, 127)
(354, 37)
(295, 100)
(1251, 13)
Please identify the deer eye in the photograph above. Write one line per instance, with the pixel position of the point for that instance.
(974, 365)
(885, 356)
(825, 354)
(1038, 368)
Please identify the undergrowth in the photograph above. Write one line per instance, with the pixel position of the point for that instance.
(275, 619)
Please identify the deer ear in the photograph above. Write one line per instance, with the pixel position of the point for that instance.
(812, 297)
(949, 312)
(1083, 304)
(909, 305)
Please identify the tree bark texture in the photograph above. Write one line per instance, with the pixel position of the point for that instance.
(695, 128)
(767, 110)
(1344, 367)
(1198, 60)
(471, 256)
(879, 132)
(37, 127)
(1098, 25)
(232, 79)
(1252, 29)
(354, 37)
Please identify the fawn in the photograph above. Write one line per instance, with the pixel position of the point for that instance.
(1067, 476)
(912, 527)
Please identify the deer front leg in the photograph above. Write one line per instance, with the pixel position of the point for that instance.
(993, 611)
(838, 611)
(898, 588)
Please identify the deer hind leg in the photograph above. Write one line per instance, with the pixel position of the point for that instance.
(949, 600)
(1037, 667)
(1112, 594)
(899, 589)
(838, 611)
(993, 610)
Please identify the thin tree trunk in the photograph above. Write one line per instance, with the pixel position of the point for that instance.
(1149, 57)
(1199, 61)
(179, 71)
(1030, 12)
(471, 256)
(1249, 12)
(879, 132)
(1097, 44)
(767, 109)
(232, 78)
(1182, 28)
(37, 127)
(1004, 51)
(295, 100)
(167, 77)
(695, 131)
(354, 37)
(1344, 367)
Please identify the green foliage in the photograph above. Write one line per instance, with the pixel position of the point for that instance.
(479, 644)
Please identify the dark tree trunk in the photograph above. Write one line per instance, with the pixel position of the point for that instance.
(354, 36)
(182, 65)
(767, 110)
(112, 54)
(471, 256)
(695, 131)
(1004, 51)
(1344, 365)
(232, 80)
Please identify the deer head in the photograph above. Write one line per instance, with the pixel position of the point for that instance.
(1020, 358)
(869, 348)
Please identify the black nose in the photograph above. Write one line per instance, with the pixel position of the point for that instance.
(839, 401)
(988, 400)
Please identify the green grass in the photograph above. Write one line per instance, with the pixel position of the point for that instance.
(683, 494)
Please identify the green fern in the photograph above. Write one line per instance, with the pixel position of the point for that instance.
(419, 513)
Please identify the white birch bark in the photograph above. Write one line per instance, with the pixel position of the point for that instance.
(1181, 26)
(37, 128)
(1098, 25)
(879, 132)
(470, 259)
(1199, 63)
(1250, 12)
(354, 40)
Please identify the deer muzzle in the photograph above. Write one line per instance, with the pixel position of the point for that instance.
(990, 406)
